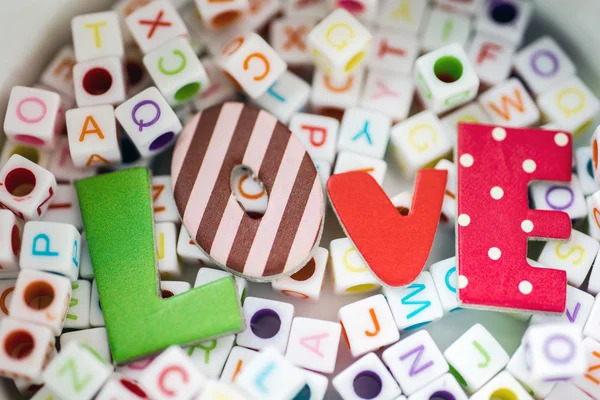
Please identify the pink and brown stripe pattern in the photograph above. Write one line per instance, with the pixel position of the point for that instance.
(209, 148)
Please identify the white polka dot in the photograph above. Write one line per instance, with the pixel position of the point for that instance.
(527, 226)
(499, 134)
(529, 166)
(525, 287)
(561, 139)
(497, 192)
(494, 253)
(462, 281)
(464, 220)
(466, 160)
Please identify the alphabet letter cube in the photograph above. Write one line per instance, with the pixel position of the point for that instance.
(566, 197)
(52, 247)
(10, 241)
(446, 385)
(95, 338)
(99, 81)
(554, 352)
(475, 358)
(173, 288)
(331, 93)
(313, 344)
(97, 35)
(306, 283)
(350, 273)
(64, 207)
(339, 43)
(471, 113)
(217, 390)
(443, 28)
(252, 63)
(86, 270)
(445, 279)
(507, 19)
(268, 323)
(509, 104)
(585, 170)
(78, 316)
(7, 288)
(317, 133)
(165, 236)
(93, 137)
(165, 209)
(238, 359)
(364, 132)
(32, 117)
(96, 316)
(403, 15)
(517, 367)
(445, 78)
(286, 96)
(59, 73)
(207, 275)
(388, 93)
(491, 57)
(218, 15)
(589, 381)
(367, 378)
(368, 324)
(220, 89)
(504, 383)
(566, 390)
(288, 37)
(209, 357)
(122, 388)
(149, 121)
(393, 52)
(77, 373)
(187, 250)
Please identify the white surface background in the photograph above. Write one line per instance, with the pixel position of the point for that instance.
(31, 31)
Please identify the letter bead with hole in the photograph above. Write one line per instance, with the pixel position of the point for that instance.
(317, 133)
(173, 288)
(268, 323)
(26, 348)
(96, 315)
(95, 338)
(93, 139)
(10, 241)
(155, 24)
(554, 352)
(589, 381)
(507, 19)
(32, 117)
(165, 238)
(368, 325)
(218, 15)
(364, 132)
(366, 378)
(313, 344)
(64, 207)
(77, 373)
(252, 63)
(99, 81)
(288, 37)
(471, 113)
(445, 279)
(388, 93)
(578, 307)
(517, 367)
(393, 52)
(238, 359)
(78, 315)
(188, 252)
(58, 75)
(209, 357)
(176, 71)
(165, 209)
(97, 35)
(475, 358)
(570, 104)
(554, 196)
(350, 274)
(491, 58)
(443, 386)
(26, 189)
(419, 141)
(574, 256)
(584, 161)
(415, 305)
(415, 362)
(339, 43)
(249, 192)
(7, 289)
(51, 246)
(172, 375)
(504, 385)
(331, 93)
(207, 275)
(34, 154)
(307, 283)
(287, 95)
(135, 369)
(509, 104)
(443, 28)
(122, 388)
(445, 78)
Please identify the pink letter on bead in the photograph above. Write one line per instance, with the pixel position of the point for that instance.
(495, 165)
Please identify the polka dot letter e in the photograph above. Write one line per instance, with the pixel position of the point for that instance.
(495, 165)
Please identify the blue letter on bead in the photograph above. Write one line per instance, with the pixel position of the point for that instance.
(75, 250)
(447, 279)
(275, 94)
(365, 131)
(45, 252)
(423, 303)
(260, 380)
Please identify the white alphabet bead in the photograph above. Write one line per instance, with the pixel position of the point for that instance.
(305, 284)
(92, 133)
(415, 362)
(99, 81)
(449, 207)
(574, 256)
(209, 357)
(367, 378)
(444, 386)
(350, 274)
(419, 141)
(163, 202)
(61, 164)
(566, 390)
(95, 338)
(443, 28)
(252, 63)
(52, 247)
(155, 24)
(26, 348)
(517, 367)
(554, 352)
(461, 6)
(415, 305)
(96, 316)
(368, 325)
(445, 78)
(402, 15)
(570, 104)
(122, 388)
(585, 170)
(173, 288)
(39, 156)
(286, 96)
(85, 263)
(135, 369)
(165, 236)
(316, 386)
(324, 170)
(41, 298)
(59, 73)
(217, 390)
(316, 9)
(471, 113)
(7, 288)
(491, 58)
(560, 196)
(445, 280)
(219, 15)
(509, 104)
(10, 241)
(364, 132)
(26, 189)
(269, 376)
(393, 52)
(260, 12)
(389, 94)
(317, 133)
(97, 35)
(589, 382)
(339, 43)
(288, 36)
(313, 344)
(176, 71)
(238, 359)
(506, 19)
(348, 161)
(219, 90)
(207, 275)
(78, 315)
(475, 358)
(593, 206)
(187, 250)
(136, 74)
(329, 92)
(593, 321)
(504, 384)
(64, 207)
(268, 323)
(32, 116)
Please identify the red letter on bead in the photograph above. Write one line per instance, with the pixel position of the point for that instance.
(394, 246)
(495, 165)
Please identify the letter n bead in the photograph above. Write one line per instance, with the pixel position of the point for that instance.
(495, 166)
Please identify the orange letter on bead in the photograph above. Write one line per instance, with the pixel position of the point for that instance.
(495, 166)
(506, 103)
(261, 57)
(87, 131)
(395, 247)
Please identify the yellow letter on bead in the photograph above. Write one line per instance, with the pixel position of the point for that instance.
(568, 110)
(343, 43)
(96, 27)
(424, 146)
